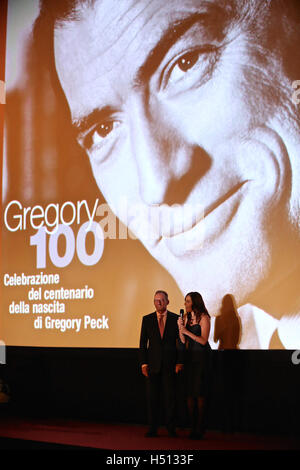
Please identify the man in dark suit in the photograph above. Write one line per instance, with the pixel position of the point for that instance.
(161, 358)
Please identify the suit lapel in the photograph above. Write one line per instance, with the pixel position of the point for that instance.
(155, 325)
(166, 326)
(167, 322)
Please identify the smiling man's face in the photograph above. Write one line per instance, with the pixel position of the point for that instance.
(179, 106)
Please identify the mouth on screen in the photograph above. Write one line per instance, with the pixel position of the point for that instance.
(199, 217)
(224, 198)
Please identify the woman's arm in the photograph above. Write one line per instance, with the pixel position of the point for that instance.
(181, 323)
(205, 329)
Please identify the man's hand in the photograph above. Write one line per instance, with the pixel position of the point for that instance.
(178, 368)
(145, 370)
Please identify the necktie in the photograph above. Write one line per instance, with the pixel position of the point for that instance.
(161, 325)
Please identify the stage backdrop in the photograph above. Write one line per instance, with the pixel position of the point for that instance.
(80, 266)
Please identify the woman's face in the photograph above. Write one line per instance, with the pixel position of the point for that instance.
(188, 304)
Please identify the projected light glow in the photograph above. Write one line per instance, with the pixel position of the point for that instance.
(153, 145)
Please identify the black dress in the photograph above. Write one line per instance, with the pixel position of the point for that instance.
(197, 364)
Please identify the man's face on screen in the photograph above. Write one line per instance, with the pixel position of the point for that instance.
(179, 107)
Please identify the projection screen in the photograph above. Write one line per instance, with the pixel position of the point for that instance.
(150, 145)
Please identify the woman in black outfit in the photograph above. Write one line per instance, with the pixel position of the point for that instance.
(194, 331)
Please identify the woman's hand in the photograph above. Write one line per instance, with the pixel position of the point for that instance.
(182, 328)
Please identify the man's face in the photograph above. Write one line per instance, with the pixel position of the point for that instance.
(173, 103)
(160, 302)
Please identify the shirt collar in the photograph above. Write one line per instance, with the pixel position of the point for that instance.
(162, 314)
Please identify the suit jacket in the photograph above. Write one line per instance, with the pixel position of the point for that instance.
(160, 353)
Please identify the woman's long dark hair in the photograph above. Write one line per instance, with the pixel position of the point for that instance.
(198, 306)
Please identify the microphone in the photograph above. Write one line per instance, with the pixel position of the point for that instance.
(181, 313)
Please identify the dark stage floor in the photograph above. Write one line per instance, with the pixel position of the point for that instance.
(25, 433)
